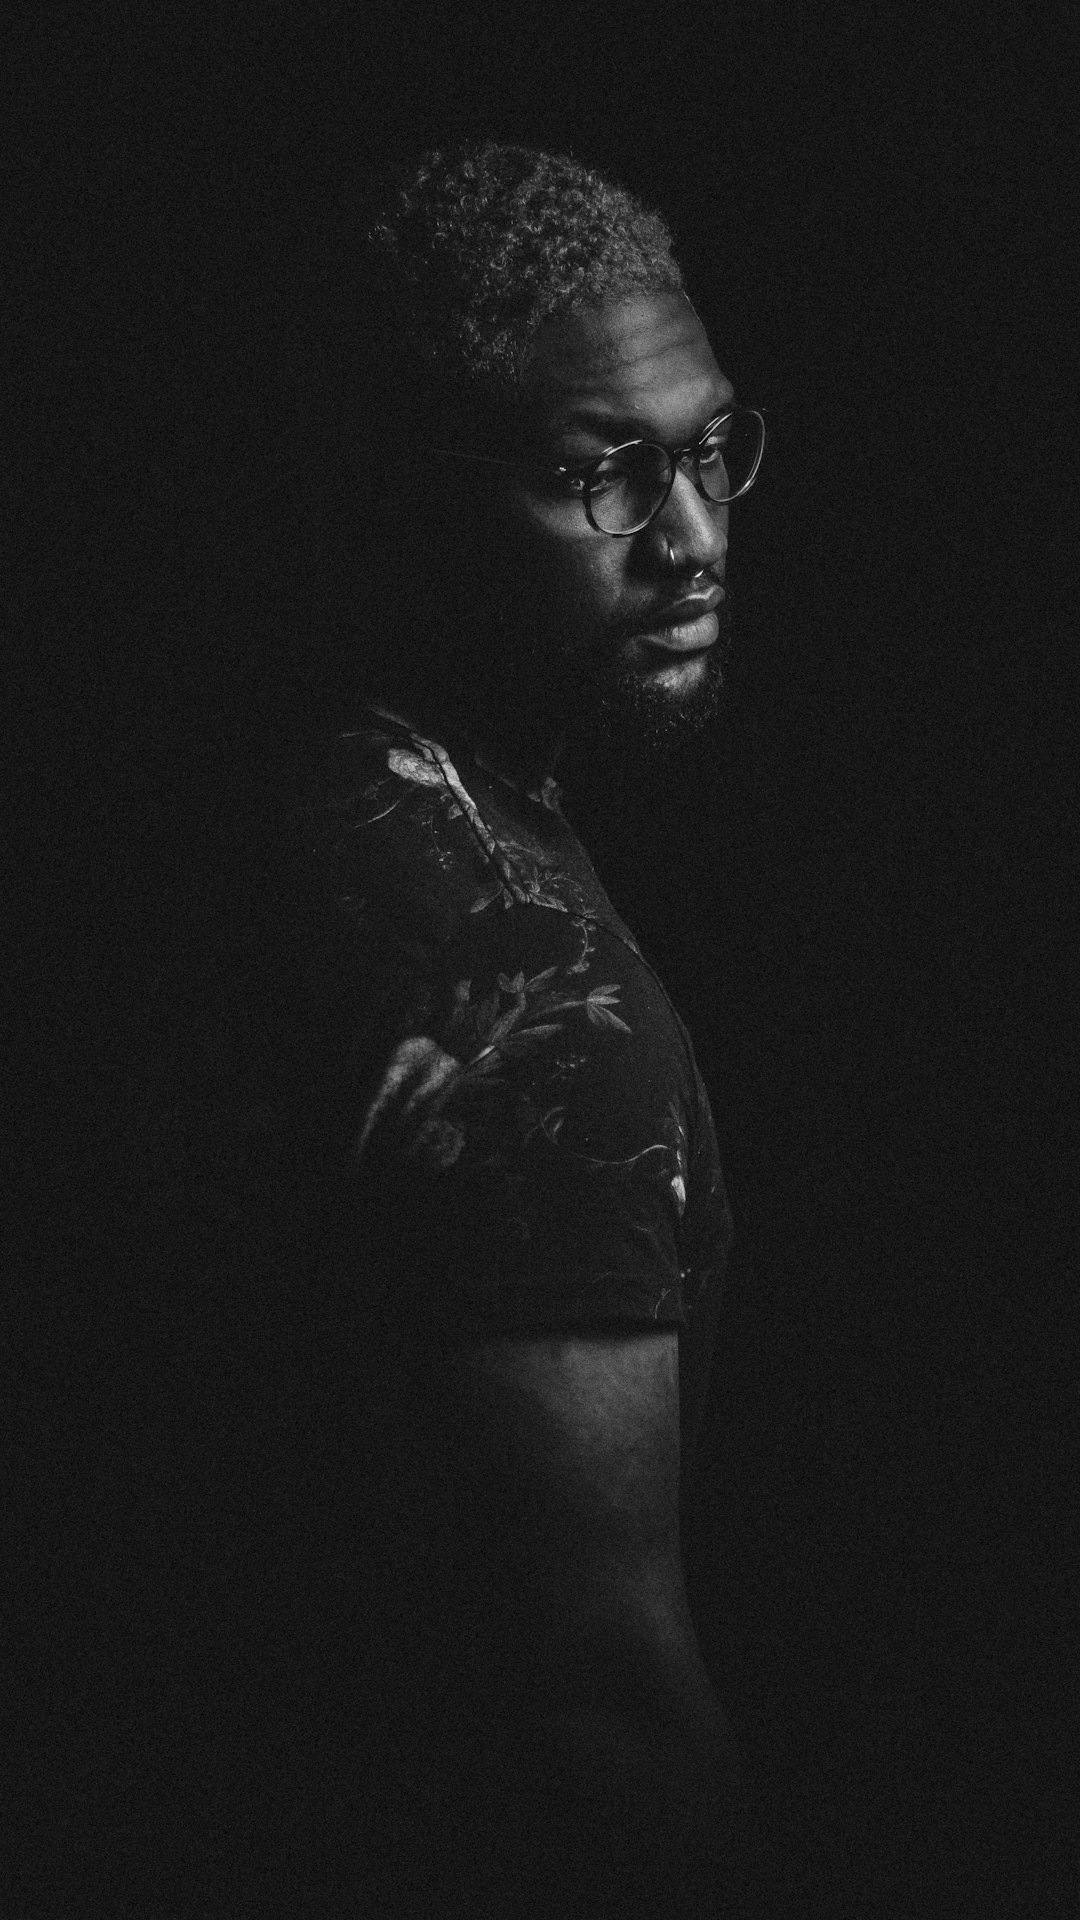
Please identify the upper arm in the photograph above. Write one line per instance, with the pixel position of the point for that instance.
(524, 1134)
(571, 1468)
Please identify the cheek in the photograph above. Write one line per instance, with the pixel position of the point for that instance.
(573, 571)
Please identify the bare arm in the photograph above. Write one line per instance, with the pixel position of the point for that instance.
(631, 1768)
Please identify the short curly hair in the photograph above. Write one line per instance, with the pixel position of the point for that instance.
(479, 245)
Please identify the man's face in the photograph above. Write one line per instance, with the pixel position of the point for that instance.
(611, 644)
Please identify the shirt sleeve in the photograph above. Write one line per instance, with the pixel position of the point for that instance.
(521, 1152)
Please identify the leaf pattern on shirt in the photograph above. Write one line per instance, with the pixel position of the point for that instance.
(676, 1131)
(498, 1086)
(518, 873)
(517, 1018)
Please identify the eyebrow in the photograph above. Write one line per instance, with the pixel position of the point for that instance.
(622, 426)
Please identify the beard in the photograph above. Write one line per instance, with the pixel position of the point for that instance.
(633, 710)
(612, 702)
(547, 703)
(541, 699)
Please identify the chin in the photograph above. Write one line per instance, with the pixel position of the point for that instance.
(655, 713)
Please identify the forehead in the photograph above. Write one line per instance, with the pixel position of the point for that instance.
(640, 364)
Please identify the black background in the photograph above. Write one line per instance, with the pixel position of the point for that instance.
(857, 902)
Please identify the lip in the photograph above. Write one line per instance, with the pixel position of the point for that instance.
(690, 636)
(686, 626)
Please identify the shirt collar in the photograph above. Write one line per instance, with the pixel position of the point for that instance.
(459, 739)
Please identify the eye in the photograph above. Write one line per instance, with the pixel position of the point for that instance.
(612, 472)
(714, 447)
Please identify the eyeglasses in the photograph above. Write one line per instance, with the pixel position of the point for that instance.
(627, 486)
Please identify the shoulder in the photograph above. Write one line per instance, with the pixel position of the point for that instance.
(363, 777)
(388, 833)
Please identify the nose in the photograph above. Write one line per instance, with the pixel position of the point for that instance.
(696, 527)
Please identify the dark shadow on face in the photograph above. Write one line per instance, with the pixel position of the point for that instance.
(546, 633)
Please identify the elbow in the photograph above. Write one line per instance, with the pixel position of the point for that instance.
(655, 1759)
(637, 1807)
(636, 1667)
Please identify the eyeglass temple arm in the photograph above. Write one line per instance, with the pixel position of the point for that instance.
(490, 460)
(535, 466)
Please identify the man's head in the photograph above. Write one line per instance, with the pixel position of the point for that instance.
(533, 313)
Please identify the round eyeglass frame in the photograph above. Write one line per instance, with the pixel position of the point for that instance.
(583, 476)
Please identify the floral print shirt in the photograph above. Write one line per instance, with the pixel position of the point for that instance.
(417, 1082)
(530, 1144)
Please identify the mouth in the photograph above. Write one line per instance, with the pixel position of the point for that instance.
(687, 626)
(684, 636)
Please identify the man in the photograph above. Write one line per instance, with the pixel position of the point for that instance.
(529, 1227)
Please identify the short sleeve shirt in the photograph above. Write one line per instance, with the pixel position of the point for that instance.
(430, 1090)
(530, 1142)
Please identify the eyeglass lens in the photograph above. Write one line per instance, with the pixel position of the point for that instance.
(628, 485)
